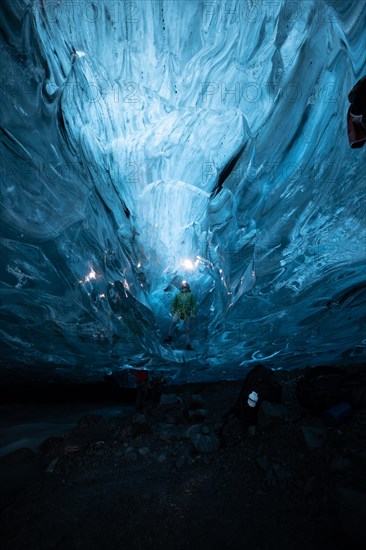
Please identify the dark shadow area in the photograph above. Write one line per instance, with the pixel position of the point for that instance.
(169, 477)
(62, 393)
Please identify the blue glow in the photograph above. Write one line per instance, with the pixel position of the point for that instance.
(149, 141)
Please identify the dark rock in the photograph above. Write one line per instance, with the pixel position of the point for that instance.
(168, 432)
(193, 430)
(161, 458)
(52, 465)
(72, 449)
(205, 443)
(170, 401)
(144, 451)
(138, 418)
(140, 441)
(315, 438)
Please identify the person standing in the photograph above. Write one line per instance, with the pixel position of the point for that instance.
(183, 309)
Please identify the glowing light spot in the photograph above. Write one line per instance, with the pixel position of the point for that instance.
(90, 276)
(102, 296)
(139, 265)
(188, 264)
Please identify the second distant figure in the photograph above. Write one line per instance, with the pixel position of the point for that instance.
(356, 115)
(183, 309)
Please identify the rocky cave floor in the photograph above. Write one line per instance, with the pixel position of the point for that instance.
(162, 479)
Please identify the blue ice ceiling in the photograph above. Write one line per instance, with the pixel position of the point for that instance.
(147, 141)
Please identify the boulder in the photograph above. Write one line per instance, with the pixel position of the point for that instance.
(193, 430)
(315, 438)
(205, 443)
(170, 401)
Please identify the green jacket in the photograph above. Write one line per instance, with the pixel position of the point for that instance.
(184, 302)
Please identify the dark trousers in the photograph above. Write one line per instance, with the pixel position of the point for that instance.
(187, 324)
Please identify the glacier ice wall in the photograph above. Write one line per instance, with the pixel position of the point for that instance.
(146, 141)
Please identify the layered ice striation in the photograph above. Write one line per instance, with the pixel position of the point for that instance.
(143, 142)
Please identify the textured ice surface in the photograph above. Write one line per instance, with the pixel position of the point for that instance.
(146, 141)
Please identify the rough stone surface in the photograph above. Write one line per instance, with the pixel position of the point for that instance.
(187, 485)
(205, 443)
(170, 401)
(314, 437)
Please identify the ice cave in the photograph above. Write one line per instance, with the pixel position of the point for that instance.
(146, 142)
